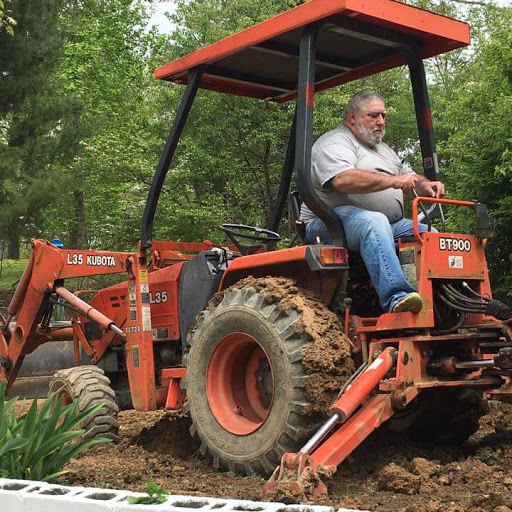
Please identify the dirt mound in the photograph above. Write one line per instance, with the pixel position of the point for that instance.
(327, 358)
(424, 467)
(169, 437)
(475, 477)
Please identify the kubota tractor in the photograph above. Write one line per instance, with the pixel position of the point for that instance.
(260, 346)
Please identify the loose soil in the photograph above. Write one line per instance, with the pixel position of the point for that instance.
(387, 473)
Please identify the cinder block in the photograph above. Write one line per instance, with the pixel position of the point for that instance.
(56, 498)
(11, 501)
(11, 494)
(27, 496)
(51, 498)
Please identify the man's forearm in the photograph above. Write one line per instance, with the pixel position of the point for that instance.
(357, 181)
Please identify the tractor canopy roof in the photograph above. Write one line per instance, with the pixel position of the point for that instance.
(358, 38)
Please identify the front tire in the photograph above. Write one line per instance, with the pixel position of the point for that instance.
(88, 386)
(254, 373)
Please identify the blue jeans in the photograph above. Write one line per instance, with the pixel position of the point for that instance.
(371, 234)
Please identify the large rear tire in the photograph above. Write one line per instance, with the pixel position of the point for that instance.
(264, 363)
(89, 386)
(447, 415)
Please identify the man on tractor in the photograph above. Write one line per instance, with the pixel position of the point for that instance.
(363, 179)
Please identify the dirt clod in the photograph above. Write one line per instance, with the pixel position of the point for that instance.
(424, 467)
(394, 478)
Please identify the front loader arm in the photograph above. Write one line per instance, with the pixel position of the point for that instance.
(48, 266)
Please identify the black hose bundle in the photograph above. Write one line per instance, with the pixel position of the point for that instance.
(484, 305)
(498, 310)
(460, 302)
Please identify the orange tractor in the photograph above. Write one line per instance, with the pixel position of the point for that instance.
(260, 346)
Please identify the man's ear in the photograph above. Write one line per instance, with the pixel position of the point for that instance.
(351, 116)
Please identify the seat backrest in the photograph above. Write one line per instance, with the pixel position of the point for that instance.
(199, 280)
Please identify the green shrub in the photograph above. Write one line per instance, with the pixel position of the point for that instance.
(37, 445)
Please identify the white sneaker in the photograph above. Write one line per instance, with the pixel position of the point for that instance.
(410, 302)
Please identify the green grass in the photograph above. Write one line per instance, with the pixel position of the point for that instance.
(10, 272)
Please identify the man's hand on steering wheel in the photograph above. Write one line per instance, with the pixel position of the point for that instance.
(429, 188)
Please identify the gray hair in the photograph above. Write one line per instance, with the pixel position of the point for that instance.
(359, 100)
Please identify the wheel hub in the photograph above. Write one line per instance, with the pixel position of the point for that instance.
(239, 384)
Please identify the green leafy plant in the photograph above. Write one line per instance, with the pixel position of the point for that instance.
(155, 496)
(36, 445)
(487, 456)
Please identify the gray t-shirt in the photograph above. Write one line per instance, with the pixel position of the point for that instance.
(339, 150)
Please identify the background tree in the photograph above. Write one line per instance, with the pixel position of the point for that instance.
(104, 74)
(29, 114)
(478, 145)
(7, 22)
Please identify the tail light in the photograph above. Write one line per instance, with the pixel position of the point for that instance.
(334, 256)
(323, 257)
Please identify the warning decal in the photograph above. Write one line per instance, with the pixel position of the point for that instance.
(455, 262)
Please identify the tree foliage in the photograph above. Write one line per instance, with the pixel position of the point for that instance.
(7, 22)
(29, 115)
(478, 146)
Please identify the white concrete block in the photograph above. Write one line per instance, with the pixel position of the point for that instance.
(51, 498)
(11, 495)
(27, 496)
(11, 502)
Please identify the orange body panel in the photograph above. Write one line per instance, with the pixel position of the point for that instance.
(139, 338)
(163, 299)
(440, 256)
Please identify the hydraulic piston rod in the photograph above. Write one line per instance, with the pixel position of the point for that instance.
(87, 310)
(354, 395)
(481, 363)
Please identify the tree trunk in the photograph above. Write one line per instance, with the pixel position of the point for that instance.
(78, 239)
(13, 248)
(79, 231)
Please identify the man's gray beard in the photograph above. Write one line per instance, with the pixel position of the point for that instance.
(368, 137)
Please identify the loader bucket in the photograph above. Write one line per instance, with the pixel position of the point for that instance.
(39, 366)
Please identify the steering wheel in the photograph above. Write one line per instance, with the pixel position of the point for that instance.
(264, 238)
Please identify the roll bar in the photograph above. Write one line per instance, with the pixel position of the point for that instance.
(300, 141)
